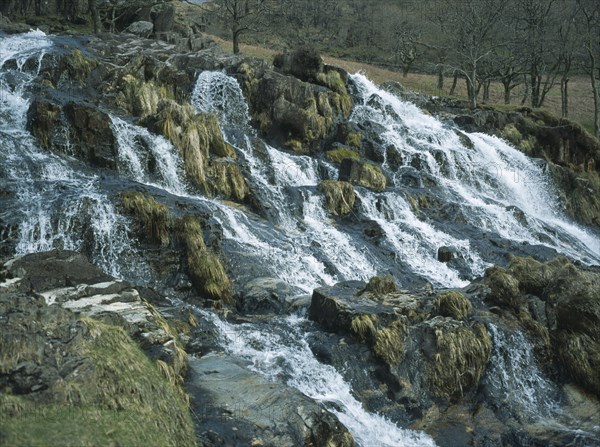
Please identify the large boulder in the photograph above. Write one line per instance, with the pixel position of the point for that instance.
(265, 296)
(236, 406)
(92, 135)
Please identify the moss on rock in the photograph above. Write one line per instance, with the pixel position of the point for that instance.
(389, 342)
(579, 356)
(204, 268)
(381, 285)
(504, 287)
(339, 196)
(337, 155)
(452, 304)
(152, 216)
(364, 326)
(460, 357)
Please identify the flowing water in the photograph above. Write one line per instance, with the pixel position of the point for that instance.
(61, 204)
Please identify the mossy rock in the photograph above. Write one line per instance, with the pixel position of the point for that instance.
(459, 359)
(332, 80)
(579, 357)
(452, 304)
(362, 173)
(152, 216)
(196, 135)
(354, 139)
(339, 196)
(79, 66)
(204, 268)
(511, 134)
(504, 287)
(339, 154)
(364, 326)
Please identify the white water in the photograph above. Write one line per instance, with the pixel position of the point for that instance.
(484, 180)
(60, 207)
(288, 357)
(515, 379)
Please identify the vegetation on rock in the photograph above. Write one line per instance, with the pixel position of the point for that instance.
(452, 304)
(339, 196)
(152, 216)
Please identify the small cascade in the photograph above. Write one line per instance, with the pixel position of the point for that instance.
(515, 381)
(282, 353)
(148, 158)
(497, 187)
(59, 208)
(415, 241)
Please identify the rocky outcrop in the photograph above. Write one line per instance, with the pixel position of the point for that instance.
(140, 28)
(569, 298)
(237, 407)
(265, 296)
(43, 121)
(71, 341)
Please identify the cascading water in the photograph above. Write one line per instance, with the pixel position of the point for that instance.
(490, 181)
(58, 206)
(283, 352)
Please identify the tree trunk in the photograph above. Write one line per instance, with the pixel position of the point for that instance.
(93, 9)
(564, 97)
(405, 70)
(454, 82)
(440, 78)
(236, 39)
(526, 93)
(596, 90)
(507, 89)
(486, 90)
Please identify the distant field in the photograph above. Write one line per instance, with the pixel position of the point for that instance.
(581, 106)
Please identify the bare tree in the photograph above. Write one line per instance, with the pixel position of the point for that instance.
(242, 16)
(473, 25)
(406, 47)
(589, 23)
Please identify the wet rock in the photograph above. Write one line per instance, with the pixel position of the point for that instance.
(265, 296)
(140, 28)
(235, 406)
(43, 120)
(445, 254)
(363, 174)
(91, 134)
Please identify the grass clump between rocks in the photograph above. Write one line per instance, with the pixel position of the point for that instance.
(152, 216)
(337, 155)
(339, 196)
(204, 268)
(389, 342)
(364, 326)
(452, 304)
(381, 285)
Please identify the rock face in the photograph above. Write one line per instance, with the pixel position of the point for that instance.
(92, 135)
(69, 353)
(265, 296)
(227, 395)
(569, 298)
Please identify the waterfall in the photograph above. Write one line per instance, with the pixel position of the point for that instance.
(490, 180)
(283, 353)
(59, 207)
(514, 379)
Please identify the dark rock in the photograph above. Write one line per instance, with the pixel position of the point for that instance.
(265, 296)
(92, 135)
(225, 394)
(163, 17)
(445, 254)
(43, 121)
